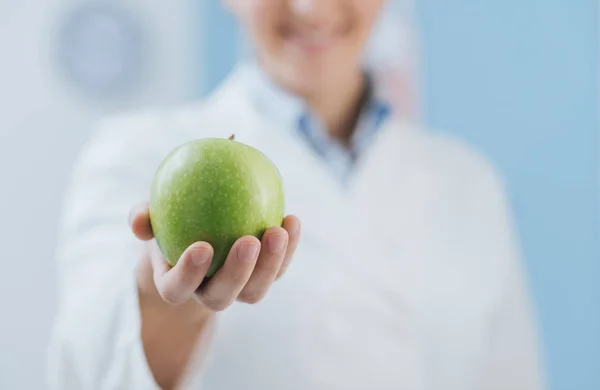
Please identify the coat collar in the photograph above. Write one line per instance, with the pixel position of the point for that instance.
(292, 113)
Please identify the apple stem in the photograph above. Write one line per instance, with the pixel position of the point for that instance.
(232, 138)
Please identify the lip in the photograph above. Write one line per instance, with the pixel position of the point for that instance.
(313, 43)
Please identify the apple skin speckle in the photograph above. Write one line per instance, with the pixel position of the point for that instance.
(214, 190)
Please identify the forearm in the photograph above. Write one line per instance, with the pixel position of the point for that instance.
(174, 337)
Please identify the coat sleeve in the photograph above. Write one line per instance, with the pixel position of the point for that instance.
(95, 341)
(511, 350)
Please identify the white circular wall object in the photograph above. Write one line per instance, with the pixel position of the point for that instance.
(99, 49)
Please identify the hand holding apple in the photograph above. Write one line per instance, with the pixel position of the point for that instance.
(215, 224)
(247, 274)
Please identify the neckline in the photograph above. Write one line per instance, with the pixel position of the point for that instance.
(237, 86)
(291, 109)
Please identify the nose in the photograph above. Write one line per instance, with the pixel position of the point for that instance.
(315, 11)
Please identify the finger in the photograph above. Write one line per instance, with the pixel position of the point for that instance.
(159, 264)
(273, 249)
(223, 288)
(139, 220)
(292, 225)
(178, 284)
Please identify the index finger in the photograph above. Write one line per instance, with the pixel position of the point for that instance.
(139, 220)
(177, 284)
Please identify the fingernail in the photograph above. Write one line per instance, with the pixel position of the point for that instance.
(200, 257)
(276, 242)
(248, 250)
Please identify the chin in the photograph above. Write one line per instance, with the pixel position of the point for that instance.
(309, 82)
(304, 88)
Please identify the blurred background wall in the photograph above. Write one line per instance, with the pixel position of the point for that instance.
(517, 78)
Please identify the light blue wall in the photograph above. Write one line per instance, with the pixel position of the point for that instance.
(519, 79)
(218, 52)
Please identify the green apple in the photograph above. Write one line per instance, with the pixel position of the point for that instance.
(213, 190)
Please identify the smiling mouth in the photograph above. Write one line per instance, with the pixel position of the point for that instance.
(313, 41)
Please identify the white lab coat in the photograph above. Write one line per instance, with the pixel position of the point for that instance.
(408, 279)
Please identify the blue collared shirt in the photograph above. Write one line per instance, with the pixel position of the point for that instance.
(294, 114)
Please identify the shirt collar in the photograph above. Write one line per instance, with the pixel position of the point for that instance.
(292, 111)
(293, 114)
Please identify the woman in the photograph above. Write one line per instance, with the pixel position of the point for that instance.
(407, 276)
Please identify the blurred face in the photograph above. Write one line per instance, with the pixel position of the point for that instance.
(308, 45)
